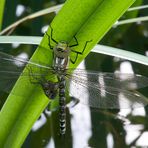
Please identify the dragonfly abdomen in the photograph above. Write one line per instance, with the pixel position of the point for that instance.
(62, 112)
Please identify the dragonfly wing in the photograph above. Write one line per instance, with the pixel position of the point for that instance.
(6, 83)
(11, 63)
(97, 94)
(119, 80)
(11, 68)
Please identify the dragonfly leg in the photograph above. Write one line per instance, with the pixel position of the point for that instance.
(31, 77)
(50, 37)
(49, 44)
(74, 101)
(76, 42)
(78, 52)
(35, 79)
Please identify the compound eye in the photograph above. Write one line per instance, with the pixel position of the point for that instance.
(47, 92)
(60, 49)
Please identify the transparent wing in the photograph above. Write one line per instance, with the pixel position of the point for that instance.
(117, 80)
(12, 63)
(11, 68)
(107, 90)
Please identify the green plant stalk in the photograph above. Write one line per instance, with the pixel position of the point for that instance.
(2, 4)
(88, 20)
(30, 17)
(107, 50)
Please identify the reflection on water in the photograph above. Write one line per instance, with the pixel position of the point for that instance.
(91, 128)
(80, 125)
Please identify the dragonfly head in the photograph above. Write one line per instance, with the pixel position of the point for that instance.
(62, 49)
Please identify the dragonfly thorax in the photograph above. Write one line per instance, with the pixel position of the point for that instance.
(61, 56)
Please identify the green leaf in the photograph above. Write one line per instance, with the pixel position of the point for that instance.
(30, 17)
(116, 52)
(88, 20)
(2, 4)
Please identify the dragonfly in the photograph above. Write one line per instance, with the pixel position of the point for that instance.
(106, 90)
